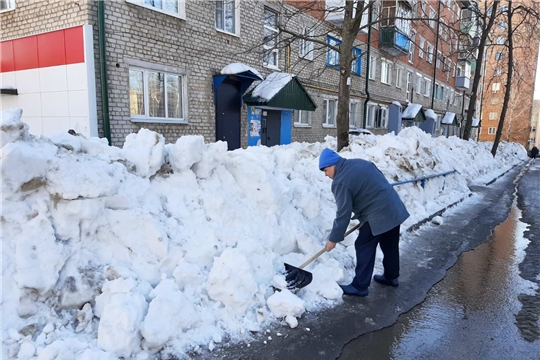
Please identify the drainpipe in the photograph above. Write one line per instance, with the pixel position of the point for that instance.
(435, 55)
(103, 71)
(364, 120)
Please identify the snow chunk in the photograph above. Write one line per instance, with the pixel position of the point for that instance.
(187, 151)
(230, 280)
(411, 111)
(12, 128)
(273, 83)
(118, 330)
(237, 68)
(285, 303)
(146, 151)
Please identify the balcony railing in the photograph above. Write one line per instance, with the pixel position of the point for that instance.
(393, 41)
(463, 83)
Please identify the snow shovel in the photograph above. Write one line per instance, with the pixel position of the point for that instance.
(298, 278)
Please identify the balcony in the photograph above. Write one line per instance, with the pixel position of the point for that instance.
(463, 83)
(393, 41)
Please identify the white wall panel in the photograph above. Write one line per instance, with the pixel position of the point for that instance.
(77, 77)
(78, 103)
(30, 103)
(53, 78)
(54, 104)
(27, 81)
(55, 125)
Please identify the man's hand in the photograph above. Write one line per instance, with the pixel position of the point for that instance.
(330, 245)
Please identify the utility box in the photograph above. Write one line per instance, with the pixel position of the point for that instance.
(394, 117)
(428, 126)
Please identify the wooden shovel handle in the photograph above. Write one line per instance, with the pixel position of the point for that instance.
(323, 250)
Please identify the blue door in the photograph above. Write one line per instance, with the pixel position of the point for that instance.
(228, 106)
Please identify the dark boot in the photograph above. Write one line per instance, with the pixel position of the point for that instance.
(351, 290)
(382, 280)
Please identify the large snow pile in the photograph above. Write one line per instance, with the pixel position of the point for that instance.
(110, 252)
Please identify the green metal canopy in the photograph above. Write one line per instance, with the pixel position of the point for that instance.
(291, 96)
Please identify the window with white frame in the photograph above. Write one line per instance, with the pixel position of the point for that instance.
(228, 16)
(436, 91)
(500, 40)
(432, 17)
(495, 87)
(353, 115)
(306, 46)
(492, 130)
(398, 77)
(438, 59)
(372, 67)
(492, 116)
(430, 51)
(421, 47)
(330, 112)
(386, 70)
(156, 96)
(381, 120)
(494, 100)
(428, 87)
(372, 112)
(7, 5)
(170, 7)
(498, 56)
(302, 118)
(497, 72)
(411, 47)
(270, 38)
(419, 83)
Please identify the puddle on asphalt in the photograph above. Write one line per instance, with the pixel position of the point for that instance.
(471, 314)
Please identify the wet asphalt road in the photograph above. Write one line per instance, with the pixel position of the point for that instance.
(483, 309)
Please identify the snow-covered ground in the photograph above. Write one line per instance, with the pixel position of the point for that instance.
(110, 252)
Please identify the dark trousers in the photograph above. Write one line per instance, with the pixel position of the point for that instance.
(366, 248)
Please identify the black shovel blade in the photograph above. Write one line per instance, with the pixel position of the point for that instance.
(297, 278)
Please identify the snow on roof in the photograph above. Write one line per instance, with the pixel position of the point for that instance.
(397, 103)
(430, 114)
(411, 111)
(475, 122)
(237, 68)
(448, 118)
(274, 82)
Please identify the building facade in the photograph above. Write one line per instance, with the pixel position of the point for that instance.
(166, 66)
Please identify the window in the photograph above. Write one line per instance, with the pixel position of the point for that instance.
(492, 116)
(502, 25)
(7, 5)
(430, 51)
(428, 87)
(227, 15)
(500, 40)
(332, 56)
(270, 38)
(306, 46)
(497, 72)
(352, 114)
(441, 93)
(372, 114)
(156, 95)
(432, 17)
(386, 69)
(372, 67)
(504, 8)
(411, 47)
(302, 118)
(439, 55)
(398, 77)
(170, 7)
(409, 86)
(436, 91)
(419, 83)
(498, 56)
(492, 130)
(495, 87)
(357, 61)
(421, 47)
(494, 101)
(382, 119)
(330, 113)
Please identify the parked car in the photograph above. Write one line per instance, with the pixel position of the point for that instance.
(359, 131)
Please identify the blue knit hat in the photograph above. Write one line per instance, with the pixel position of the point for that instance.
(328, 158)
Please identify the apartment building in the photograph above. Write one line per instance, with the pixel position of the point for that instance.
(534, 134)
(193, 67)
(517, 122)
